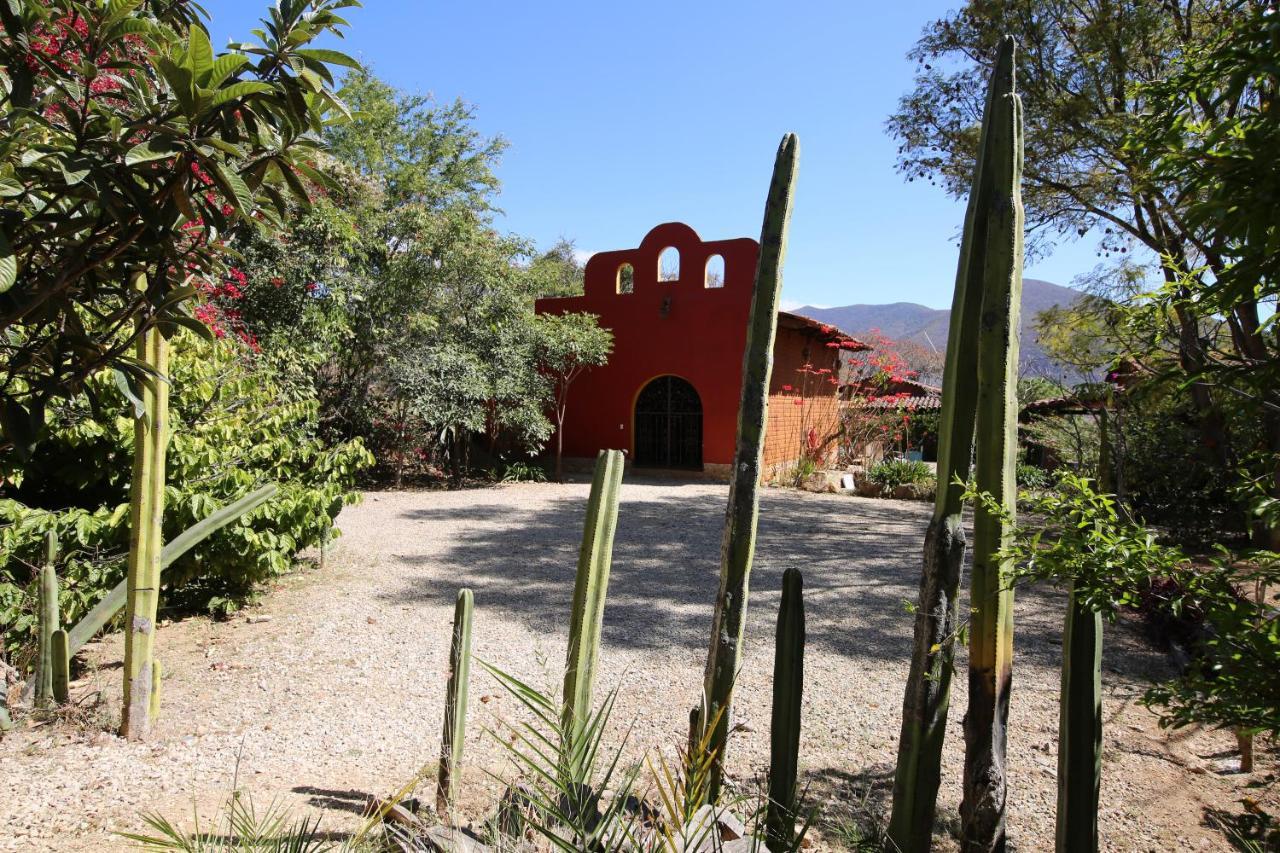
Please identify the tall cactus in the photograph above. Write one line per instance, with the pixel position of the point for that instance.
(784, 723)
(146, 512)
(455, 704)
(1080, 729)
(48, 622)
(928, 693)
(737, 549)
(982, 809)
(589, 590)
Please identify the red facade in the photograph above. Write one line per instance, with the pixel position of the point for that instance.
(680, 328)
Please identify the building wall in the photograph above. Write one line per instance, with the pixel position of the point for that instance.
(799, 401)
(680, 328)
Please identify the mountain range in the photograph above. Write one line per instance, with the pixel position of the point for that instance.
(909, 321)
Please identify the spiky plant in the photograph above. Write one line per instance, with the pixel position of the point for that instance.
(985, 262)
(146, 536)
(738, 546)
(784, 724)
(982, 809)
(455, 707)
(586, 619)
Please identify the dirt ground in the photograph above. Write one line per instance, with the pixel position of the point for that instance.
(332, 687)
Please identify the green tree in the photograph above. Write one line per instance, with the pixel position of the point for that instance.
(1084, 67)
(565, 347)
(130, 145)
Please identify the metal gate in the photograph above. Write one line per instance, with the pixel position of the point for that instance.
(669, 425)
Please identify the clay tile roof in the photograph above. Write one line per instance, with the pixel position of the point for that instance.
(823, 331)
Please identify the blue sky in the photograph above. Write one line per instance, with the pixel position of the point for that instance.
(623, 115)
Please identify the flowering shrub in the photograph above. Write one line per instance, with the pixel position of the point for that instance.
(234, 429)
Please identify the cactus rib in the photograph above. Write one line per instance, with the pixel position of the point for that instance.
(738, 545)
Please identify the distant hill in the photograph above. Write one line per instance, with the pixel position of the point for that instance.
(908, 321)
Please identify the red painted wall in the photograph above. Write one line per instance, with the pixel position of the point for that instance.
(676, 327)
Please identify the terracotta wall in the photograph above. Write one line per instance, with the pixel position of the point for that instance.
(800, 402)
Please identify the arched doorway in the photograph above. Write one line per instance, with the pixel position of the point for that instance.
(669, 425)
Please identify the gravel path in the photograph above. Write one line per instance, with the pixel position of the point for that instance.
(340, 692)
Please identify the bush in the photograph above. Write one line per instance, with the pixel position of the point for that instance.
(1032, 477)
(888, 474)
(234, 429)
(523, 472)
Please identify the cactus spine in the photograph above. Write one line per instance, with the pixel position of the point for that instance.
(455, 703)
(48, 623)
(982, 809)
(592, 585)
(1080, 730)
(146, 512)
(737, 548)
(983, 258)
(784, 724)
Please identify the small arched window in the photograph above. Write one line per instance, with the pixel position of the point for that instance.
(714, 274)
(626, 279)
(669, 264)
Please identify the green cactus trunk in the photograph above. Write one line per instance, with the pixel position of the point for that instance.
(1080, 730)
(455, 703)
(61, 668)
(784, 724)
(106, 609)
(146, 514)
(48, 624)
(982, 809)
(589, 591)
(928, 693)
(738, 546)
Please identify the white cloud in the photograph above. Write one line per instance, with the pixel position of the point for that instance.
(582, 256)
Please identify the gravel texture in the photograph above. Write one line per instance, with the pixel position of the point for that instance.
(339, 694)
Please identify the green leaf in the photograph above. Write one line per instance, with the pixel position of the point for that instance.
(8, 264)
(145, 152)
(199, 54)
(236, 90)
(332, 57)
(223, 67)
(122, 382)
(10, 188)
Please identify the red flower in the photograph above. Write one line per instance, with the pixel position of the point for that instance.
(786, 387)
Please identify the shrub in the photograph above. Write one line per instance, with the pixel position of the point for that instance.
(234, 429)
(1032, 477)
(522, 472)
(888, 474)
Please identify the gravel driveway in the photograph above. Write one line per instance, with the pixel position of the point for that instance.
(340, 692)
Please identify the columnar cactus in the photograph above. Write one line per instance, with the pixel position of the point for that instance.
(455, 703)
(738, 546)
(784, 723)
(989, 250)
(1080, 730)
(928, 693)
(592, 585)
(48, 622)
(146, 512)
(982, 809)
(61, 667)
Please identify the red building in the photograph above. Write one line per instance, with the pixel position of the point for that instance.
(678, 309)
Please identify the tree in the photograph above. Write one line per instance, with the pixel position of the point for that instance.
(1087, 70)
(130, 145)
(566, 345)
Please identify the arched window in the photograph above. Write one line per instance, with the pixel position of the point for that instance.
(669, 264)
(626, 279)
(714, 274)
